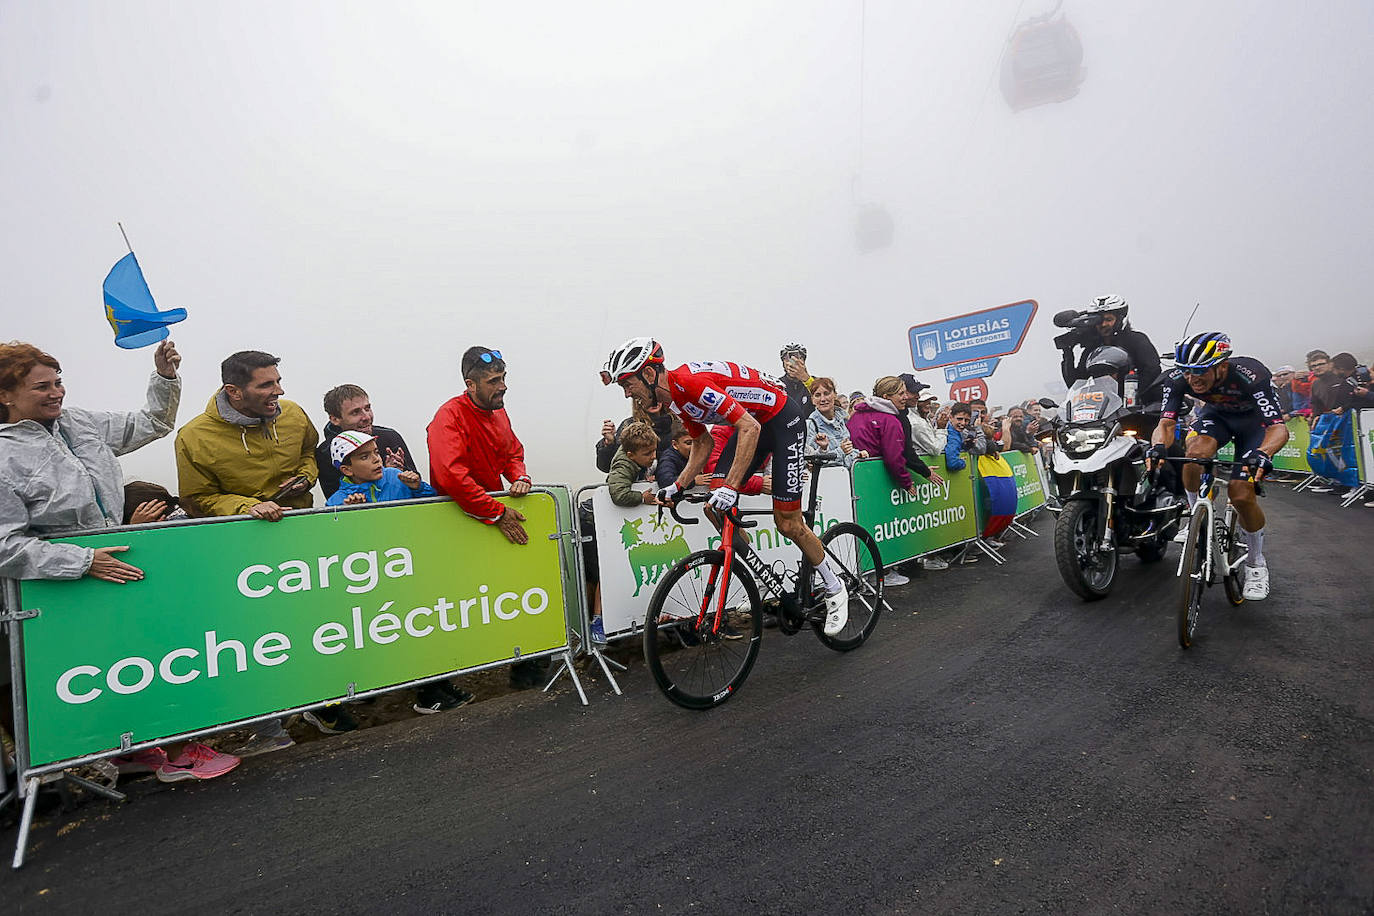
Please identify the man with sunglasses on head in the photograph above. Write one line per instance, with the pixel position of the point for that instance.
(1239, 405)
(471, 448)
(766, 422)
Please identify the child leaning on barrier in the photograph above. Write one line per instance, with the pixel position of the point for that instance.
(638, 446)
(362, 477)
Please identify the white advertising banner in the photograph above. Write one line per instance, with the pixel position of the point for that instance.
(1364, 428)
(635, 547)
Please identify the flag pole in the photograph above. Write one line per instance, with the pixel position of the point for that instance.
(126, 236)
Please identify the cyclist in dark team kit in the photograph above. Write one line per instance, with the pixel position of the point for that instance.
(766, 421)
(1239, 405)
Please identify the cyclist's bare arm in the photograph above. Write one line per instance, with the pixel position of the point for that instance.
(696, 460)
(747, 440)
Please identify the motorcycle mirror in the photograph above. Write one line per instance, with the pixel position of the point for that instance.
(1065, 319)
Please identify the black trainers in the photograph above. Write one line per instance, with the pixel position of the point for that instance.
(432, 698)
(332, 720)
(455, 693)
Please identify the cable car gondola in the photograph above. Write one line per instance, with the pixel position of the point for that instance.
(1043, 62)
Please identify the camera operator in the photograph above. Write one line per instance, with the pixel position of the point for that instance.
(1102, 324)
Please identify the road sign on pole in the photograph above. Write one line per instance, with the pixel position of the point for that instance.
(979, 335)
(982, 368)
(968, 390)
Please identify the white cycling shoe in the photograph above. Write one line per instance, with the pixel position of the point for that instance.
(836, 611)
(1256, 583)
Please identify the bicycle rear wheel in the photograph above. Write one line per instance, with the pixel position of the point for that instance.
(1235, 586)
(1194, 576)
(854, 554)
(695, 662)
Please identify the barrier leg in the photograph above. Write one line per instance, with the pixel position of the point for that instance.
(983, 545)
(26, 821)
(566, 664)
(606, 665)
(95, 787)
(1356, 495)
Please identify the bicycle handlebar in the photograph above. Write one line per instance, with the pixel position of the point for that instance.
(1207, 466)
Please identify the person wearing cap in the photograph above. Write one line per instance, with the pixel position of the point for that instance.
(362, 476)
(1283, 387)
(357, 458)
(923, 435)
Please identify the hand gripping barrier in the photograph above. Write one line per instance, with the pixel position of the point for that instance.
(239, 621)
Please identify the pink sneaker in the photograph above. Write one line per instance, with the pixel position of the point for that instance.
(197, 762)
(149, 760)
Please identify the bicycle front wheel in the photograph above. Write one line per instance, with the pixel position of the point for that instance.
(1235, 589)
(698, 659)
(854, 555)
(1194, 576)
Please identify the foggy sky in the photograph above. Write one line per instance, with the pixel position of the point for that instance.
(367, 191)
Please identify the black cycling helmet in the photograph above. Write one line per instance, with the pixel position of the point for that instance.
(1108, 361)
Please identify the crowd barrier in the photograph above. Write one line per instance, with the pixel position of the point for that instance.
(1292, 458)
(637, 545)
(238, 621)
(1364, 457)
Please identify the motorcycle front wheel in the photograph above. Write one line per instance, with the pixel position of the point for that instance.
(1088, 572)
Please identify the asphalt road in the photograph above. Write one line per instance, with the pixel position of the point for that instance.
(997, 747)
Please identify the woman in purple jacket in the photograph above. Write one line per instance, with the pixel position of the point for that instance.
(874, 428)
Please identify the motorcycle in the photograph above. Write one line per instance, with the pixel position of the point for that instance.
(1110, 505)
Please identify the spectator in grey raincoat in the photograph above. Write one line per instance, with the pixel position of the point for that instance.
(58, 468)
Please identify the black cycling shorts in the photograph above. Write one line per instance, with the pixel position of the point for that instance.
(1244, 429)
(783, 437)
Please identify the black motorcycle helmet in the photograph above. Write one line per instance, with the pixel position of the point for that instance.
(1112, 361)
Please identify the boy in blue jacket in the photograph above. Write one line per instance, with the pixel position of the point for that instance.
(363, 479)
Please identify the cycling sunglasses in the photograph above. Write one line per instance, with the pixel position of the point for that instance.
(490, 356)
(1190, 370)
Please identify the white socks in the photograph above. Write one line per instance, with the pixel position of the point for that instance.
(832, 583)
(1254, 544)
(1192, 499)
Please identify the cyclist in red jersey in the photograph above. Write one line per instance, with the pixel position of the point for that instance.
(766, 422)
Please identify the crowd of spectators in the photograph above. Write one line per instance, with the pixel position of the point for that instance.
(251, 452)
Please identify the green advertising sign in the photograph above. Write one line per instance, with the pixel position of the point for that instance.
(904, 526)
(1292, 457)
(236, 619)
(1030, 492)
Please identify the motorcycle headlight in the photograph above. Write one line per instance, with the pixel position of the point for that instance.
(1082, 440)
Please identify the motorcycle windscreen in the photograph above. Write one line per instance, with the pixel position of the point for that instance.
(1092, 399)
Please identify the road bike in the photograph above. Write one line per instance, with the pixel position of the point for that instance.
(1213, 550)
(705, 621)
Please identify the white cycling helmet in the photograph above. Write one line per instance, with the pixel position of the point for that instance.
(1114, 304)
(629, 358)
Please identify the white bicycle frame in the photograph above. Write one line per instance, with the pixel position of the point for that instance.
(1208, 506)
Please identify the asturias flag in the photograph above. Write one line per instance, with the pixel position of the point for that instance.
(130, 309)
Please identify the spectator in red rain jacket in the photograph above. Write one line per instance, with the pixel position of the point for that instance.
(472, 446)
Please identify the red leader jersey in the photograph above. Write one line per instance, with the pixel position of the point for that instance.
(711, 392)
(470, 450)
